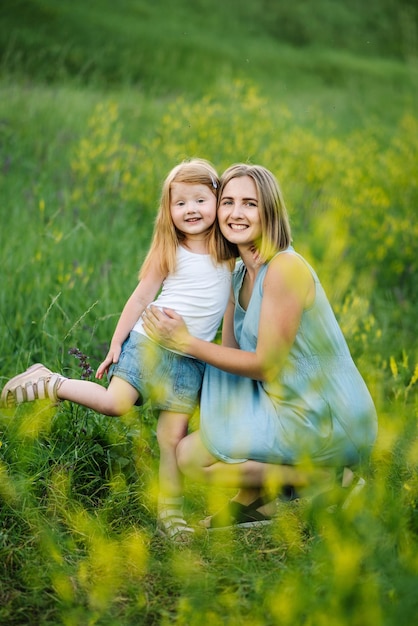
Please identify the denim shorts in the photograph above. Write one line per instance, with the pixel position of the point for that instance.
(169, 380)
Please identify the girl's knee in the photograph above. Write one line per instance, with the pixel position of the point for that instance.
(116, 405)
(120, 397)
(171, 429)
(169, 441)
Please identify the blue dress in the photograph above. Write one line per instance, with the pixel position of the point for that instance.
(318, 409)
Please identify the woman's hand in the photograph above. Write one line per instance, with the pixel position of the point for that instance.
(167, 328)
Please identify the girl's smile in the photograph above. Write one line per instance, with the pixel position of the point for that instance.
(192, 208)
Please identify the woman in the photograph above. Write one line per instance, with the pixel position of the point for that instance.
(282, 401)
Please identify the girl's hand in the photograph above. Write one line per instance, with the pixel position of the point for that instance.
(167, 328)
(112, 357)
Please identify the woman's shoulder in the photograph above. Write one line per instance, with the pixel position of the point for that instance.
(288, 258)
(290, 269)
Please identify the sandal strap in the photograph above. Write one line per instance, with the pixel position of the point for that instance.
(170, 514)
(41, 389)
(172, 525)
(28, 387)
(171, 522)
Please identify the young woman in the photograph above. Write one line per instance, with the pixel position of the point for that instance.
(282, 401)
(188, 268)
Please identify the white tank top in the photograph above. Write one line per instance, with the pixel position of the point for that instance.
(198, 290)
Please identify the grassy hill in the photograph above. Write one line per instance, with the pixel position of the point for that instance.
(166, 46)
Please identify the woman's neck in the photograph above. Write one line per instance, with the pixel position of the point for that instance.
(252, 267)
(251, 261)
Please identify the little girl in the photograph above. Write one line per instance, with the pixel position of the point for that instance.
(188, 268)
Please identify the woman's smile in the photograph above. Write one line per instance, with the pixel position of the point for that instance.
(238, 226)
(238, 212)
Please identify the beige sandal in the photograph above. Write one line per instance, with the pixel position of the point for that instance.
(171, 523)
(36, 383)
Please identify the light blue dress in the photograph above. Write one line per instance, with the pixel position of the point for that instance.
(319, 408)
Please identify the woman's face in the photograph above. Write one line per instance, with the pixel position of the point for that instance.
(238, 212)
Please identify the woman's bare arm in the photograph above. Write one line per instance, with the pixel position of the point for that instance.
(288, 289)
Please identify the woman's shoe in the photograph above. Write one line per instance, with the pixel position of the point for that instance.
(237, 515)
(36, 383)
(353, 491)
(339, 497)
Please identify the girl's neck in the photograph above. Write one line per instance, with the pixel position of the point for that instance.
(197, 246)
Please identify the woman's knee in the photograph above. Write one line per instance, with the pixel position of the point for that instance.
(193, 459)
(184, 455)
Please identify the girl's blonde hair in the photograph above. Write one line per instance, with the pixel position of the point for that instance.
(167, 237)
(275, 225)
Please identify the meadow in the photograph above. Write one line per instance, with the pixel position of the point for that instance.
(97, 103)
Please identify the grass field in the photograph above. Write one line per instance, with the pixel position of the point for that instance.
(98, 101)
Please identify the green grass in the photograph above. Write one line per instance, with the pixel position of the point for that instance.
(98, 101)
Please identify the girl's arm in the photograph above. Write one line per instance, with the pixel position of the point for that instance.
(141, 297)
(288, 289)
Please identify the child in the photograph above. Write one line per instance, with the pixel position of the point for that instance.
(188, 268)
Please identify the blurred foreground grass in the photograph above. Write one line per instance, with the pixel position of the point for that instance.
(79, 545)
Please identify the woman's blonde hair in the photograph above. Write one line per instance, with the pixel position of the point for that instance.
(167, 237)
(275, 226)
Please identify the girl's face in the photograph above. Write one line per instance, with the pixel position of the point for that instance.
(192, 208)
(238, 213)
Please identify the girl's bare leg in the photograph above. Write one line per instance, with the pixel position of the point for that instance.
(116, 399)
(171, 429)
